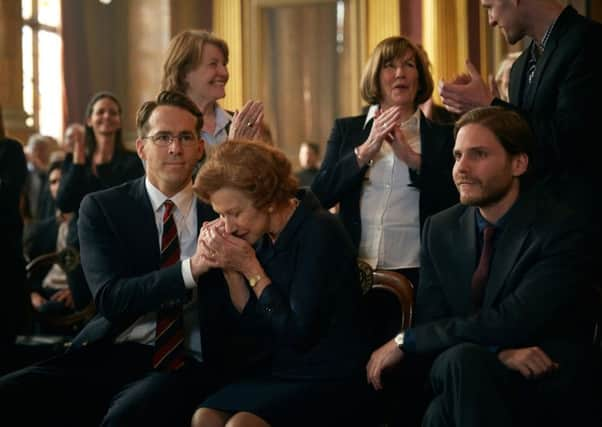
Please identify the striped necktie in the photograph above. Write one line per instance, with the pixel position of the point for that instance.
(169, 342)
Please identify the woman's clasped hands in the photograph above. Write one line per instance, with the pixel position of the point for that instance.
(220, 249)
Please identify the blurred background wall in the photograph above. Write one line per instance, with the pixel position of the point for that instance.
(302, 58)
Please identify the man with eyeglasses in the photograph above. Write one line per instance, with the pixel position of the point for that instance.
(140, 256)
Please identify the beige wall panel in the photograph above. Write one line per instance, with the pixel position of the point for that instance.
(148, 34)
(11, 96)
(445, 37)
(227, 24)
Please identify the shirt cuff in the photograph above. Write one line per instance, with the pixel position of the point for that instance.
(189, 282)
(409, 341)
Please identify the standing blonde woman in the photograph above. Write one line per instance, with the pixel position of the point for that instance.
(196, 64)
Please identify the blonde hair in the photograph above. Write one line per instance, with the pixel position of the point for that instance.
(388, 50)
(184, 55)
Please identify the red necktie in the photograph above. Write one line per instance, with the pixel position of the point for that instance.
(169, 342)
(480, 275)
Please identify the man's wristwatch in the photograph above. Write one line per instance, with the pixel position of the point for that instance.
(253, 280)
(399, 340)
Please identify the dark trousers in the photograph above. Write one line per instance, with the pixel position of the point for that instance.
(104, 384)
(473, 388)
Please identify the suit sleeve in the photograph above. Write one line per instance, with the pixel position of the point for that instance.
(545, 284)
(117, 288)
(339, 173)
(73, 187)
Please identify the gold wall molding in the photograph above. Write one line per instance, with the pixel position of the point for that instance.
(228, 24)
(11, 81)
(383, 21)
(445, 37)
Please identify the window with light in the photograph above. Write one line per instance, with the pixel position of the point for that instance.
(42, 66)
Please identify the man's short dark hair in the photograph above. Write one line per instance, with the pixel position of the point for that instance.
(57, 164)
(171, 98)
(509, 127)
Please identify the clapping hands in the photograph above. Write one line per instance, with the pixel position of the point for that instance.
(247, 123)
(466, 91)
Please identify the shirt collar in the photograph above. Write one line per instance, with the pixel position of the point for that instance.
(499, 224)
(222, 118)
(371, 113)
(183, 199)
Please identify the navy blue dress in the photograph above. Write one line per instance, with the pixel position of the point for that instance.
(307, 321)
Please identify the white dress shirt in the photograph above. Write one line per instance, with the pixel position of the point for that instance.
(185, 217)
(389, 206)
(219, 135)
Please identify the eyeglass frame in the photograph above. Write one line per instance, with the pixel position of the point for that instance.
(155, 139)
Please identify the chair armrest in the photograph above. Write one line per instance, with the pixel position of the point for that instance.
(40, 262)
(402, 288)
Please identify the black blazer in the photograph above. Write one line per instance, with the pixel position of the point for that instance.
(14, 301)
(537, 278)
(340, 178)
(120, 256)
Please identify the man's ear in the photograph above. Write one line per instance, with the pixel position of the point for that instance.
(140, 148)
(520, 164)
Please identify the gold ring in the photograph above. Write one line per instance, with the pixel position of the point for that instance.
(384, 126)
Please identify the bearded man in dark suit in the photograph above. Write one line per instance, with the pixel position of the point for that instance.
(500, 316)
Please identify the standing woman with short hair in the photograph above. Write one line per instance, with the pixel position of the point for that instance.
(390, 168)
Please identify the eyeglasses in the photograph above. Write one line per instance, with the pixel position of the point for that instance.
(165, 139)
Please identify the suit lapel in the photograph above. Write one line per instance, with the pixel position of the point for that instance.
(539, 72)
(359, 132)
(561, 26)
(147, 237)
(508, 249)
(464, 256)
(519, 70)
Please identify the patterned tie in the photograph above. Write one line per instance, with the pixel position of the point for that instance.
(169, 343)
(534, 55)
(480, 275)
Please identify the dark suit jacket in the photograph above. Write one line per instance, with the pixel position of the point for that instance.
(562, 104)
(537, 276)
(13, 172)
(120, 256)
(340, 178)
